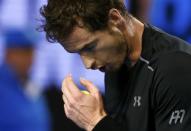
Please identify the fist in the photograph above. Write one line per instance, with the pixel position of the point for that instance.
(85, 108)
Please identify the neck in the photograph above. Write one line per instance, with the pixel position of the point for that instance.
(133, 34)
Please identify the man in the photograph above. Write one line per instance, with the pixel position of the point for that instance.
(147, 72)
(22, 106)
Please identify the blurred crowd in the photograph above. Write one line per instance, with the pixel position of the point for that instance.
(32, 70)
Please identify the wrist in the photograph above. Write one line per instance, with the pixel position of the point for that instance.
(95, 121)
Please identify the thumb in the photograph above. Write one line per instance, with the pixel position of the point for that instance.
(89, 86)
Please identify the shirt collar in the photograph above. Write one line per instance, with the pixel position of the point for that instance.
(147, 44)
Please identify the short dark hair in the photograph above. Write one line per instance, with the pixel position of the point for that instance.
(60, 16)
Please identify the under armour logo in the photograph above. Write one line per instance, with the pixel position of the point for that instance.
(137, 101)
(177, 116)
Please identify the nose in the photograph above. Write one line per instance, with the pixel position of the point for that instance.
(88, 62)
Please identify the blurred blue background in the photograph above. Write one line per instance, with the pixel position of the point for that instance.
(51, 63)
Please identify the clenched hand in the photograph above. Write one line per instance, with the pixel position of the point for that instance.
(84, 110)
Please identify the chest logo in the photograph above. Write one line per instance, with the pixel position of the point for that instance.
(137, 101)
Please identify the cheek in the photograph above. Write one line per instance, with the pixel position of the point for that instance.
(111, 49)
(116, 57)
(107, 56)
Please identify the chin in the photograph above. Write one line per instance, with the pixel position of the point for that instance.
(112, 68)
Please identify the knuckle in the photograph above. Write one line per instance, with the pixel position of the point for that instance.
(72, 103)
(96, 90)
(66, 113)
(70, 112)
(62, 88)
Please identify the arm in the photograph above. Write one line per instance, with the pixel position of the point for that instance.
(108, 124)
(86, 111)
(172, 93)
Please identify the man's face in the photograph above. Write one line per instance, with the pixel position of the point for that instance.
(104, 50)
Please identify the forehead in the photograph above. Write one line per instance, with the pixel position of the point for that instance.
(77, 39)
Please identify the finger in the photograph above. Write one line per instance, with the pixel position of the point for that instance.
(68, 97)
(65, 90)
(63, 84)
(66, 111)
(69, 112)
(65, 100)
(71, 86)
(88, 85)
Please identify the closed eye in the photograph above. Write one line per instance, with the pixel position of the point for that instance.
(89, 47)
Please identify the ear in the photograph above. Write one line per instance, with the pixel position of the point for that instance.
(116, 19)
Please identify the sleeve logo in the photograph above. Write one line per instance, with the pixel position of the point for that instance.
(177, 116)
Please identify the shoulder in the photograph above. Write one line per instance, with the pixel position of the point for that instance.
(171, 89)
(173, 62)
(172, 78)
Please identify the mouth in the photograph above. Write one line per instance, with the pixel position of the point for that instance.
(102, 69)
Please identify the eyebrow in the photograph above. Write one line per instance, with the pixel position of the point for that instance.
(80, 48)
(88, 44)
